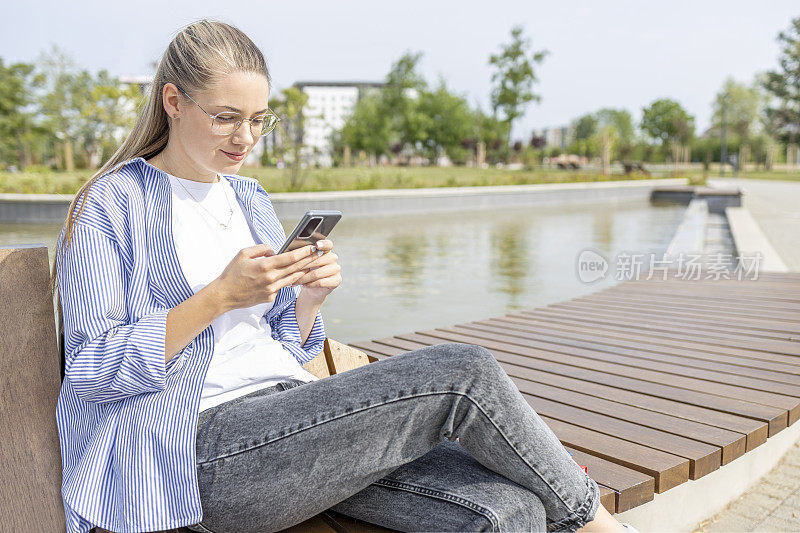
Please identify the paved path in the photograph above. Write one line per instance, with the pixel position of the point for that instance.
(775, 205)
(772, 504)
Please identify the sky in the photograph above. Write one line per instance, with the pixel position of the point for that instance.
(608, 53)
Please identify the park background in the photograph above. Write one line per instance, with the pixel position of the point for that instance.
(440, 95)
(447, 94)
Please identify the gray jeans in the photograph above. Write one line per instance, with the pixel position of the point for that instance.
(378, 443)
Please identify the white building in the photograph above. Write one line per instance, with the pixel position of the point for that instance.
(555, 137)
(328, 107)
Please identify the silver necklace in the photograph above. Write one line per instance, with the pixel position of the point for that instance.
(230, 212)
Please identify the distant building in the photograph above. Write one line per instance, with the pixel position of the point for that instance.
(554, 137)
(329, 105)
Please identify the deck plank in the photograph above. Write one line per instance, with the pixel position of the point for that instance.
(667, 330)
(688, 316)
(783, 372)
(602, 371)
(559, 328)
(630, 488)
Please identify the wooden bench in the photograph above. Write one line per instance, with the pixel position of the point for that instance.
(30, 381)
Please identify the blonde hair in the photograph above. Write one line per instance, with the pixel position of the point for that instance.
(197, 57)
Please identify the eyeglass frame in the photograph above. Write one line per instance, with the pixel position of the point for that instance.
(239, 125)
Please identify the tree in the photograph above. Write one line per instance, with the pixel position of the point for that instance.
(84, 112)
(585, 126)
(289, 107)
(369, 127)
(399, 98)
(17, 82)
(493, 132)
(106, 110)
(448, 120)
(666, 122)
(742, 105)
(514, 77)
(58, 111)
(669, 124)
(621, 122)
(784, 85)
(601, 132)
(585, 130)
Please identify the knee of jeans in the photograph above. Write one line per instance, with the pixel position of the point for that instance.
(468, 356)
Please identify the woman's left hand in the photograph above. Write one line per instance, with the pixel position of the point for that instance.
(324, 274)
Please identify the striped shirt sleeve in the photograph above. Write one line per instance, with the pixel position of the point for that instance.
(108, 357)
(286, 329)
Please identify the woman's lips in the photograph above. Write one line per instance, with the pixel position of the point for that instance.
(235, 157)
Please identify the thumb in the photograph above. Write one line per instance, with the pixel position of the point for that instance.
(259, 250)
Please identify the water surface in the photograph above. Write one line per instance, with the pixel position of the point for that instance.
(417, 272)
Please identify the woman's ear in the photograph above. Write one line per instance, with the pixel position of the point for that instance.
(169, 94)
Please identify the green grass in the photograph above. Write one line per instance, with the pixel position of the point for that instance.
(333, 179)
(360, 178)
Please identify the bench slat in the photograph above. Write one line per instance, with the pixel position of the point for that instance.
(30, 380)
(605, 372)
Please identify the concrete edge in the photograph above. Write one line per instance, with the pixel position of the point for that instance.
(690, 236)
(477, 190)
(394, 193)
(42, 198)
(749, 239)
(684, 507)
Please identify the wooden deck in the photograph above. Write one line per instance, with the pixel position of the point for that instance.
(649, 383)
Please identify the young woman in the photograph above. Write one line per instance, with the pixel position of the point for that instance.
(185, 401)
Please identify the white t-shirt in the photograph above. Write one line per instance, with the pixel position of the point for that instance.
(246, 358)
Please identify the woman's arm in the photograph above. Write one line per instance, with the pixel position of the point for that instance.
(303, 345)
(108, 357)
(306, 310)
(254, 275)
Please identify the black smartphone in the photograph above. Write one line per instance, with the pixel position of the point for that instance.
(315, 226)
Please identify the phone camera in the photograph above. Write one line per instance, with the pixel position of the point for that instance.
(308, 230)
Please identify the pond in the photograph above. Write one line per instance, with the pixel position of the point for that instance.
(416, 272)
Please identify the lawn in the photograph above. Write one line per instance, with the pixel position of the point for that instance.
(360, 178)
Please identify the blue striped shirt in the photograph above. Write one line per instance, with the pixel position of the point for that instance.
(127, 421)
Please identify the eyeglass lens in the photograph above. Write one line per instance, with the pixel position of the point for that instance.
(227, 123)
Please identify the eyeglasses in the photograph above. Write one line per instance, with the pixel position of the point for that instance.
(227, 122)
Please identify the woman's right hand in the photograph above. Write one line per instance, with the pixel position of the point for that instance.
(255, 274)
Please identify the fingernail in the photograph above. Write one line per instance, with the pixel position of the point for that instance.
(313, 248)
(320, 252)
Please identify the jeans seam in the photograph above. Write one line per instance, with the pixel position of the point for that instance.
(458, 500)
(578, 517)
(289, 433)
(353, 411)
